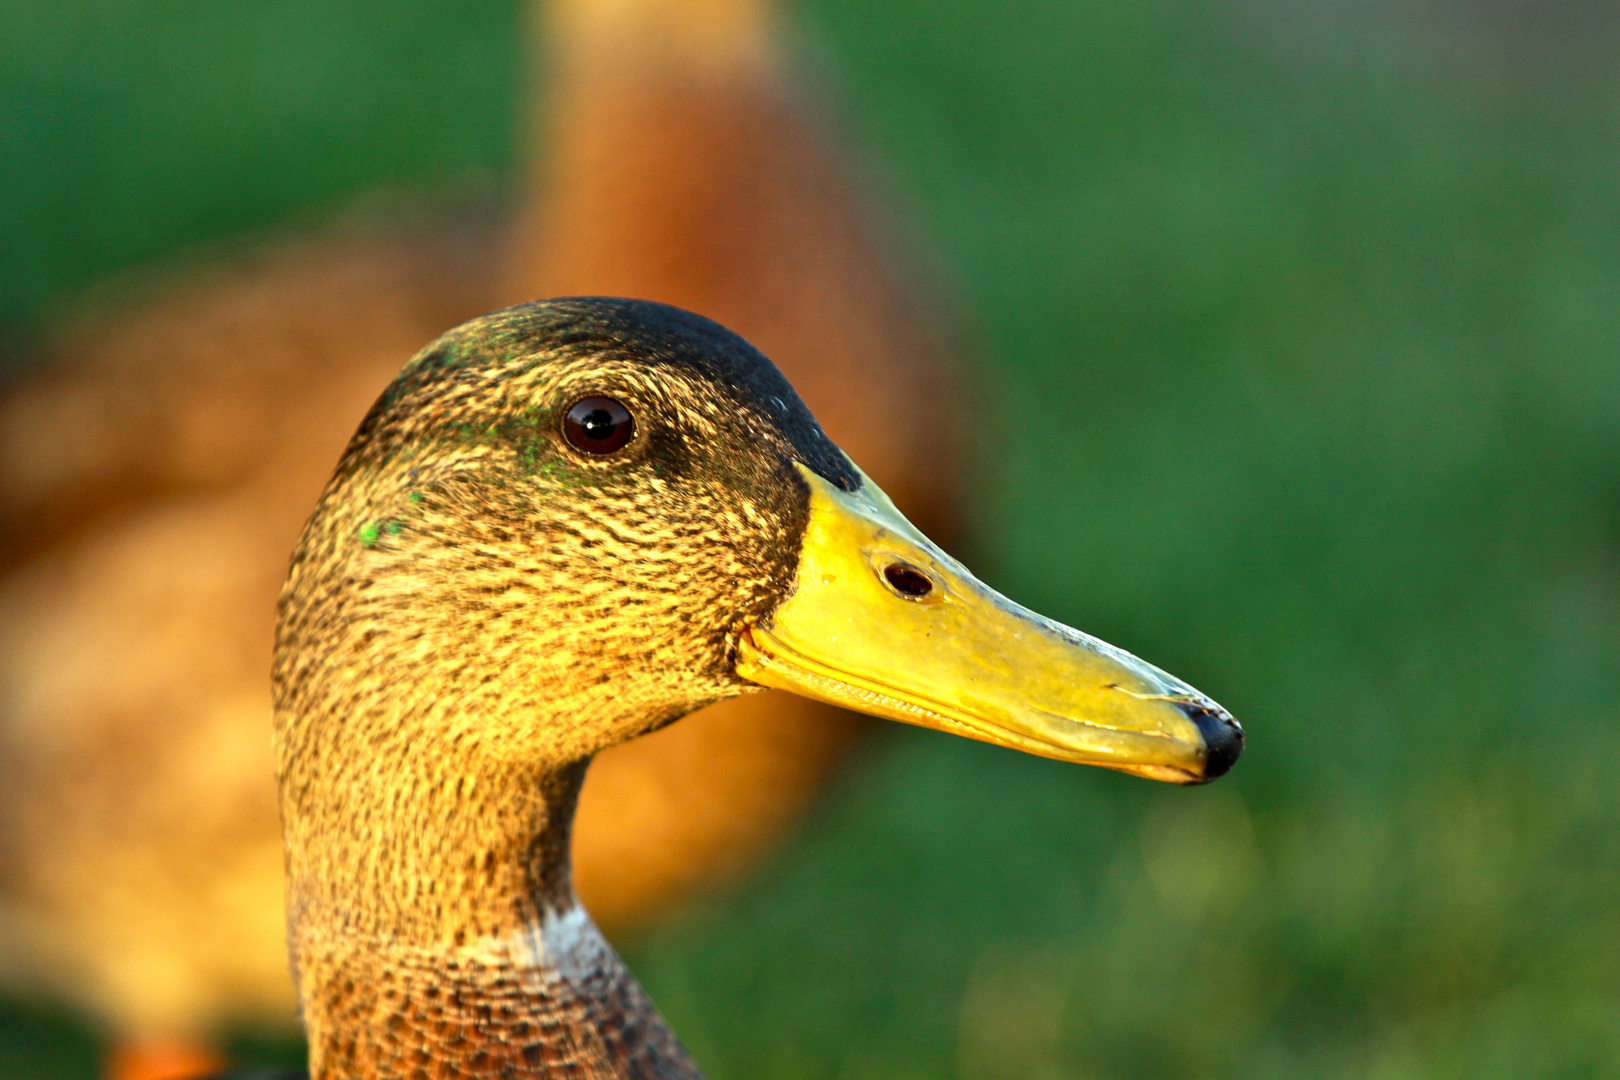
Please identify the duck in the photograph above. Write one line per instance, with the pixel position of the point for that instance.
(159, 465)
(564, 526)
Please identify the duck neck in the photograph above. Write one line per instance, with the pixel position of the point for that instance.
(433, 926)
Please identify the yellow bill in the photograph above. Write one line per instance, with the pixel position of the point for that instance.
(883, 622)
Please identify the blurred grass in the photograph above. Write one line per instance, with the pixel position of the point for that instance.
(135, 128)
(1302, 380)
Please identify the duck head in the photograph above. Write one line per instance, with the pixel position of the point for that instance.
(564, 525)
(571, 522)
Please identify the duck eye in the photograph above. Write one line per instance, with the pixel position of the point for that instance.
(908, 581)
(598, 425)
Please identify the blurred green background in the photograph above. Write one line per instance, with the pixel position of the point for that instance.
(1299, 328)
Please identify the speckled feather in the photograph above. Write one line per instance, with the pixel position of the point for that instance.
(475, 609)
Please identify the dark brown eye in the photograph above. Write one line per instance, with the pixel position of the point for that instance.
(907, 581)
(598, 425)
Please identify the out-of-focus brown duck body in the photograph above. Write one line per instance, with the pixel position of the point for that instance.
(156, 474)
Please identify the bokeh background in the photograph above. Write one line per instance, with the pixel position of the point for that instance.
(1297, 330)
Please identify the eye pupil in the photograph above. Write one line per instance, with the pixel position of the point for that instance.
(907, 581)
(598, 425)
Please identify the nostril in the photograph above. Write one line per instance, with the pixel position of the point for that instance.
(908, 581)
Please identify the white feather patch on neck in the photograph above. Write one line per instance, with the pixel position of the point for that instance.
(565, 944)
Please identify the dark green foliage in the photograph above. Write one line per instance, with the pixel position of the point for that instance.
(35, 1043)
(1301, 378)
